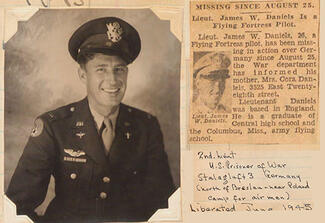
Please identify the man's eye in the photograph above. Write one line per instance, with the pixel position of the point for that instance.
(120, 70)
(100, 70)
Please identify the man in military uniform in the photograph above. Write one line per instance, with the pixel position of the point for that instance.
(210, 74)
(107, 158)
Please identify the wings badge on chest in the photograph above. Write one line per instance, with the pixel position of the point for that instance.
(74, 154)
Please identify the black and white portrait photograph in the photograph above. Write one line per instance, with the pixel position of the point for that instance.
(92, 114)
(211, 84)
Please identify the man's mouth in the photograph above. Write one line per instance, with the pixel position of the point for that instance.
(111, 90)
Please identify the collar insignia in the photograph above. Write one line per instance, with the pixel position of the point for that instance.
(128, 135)
(74, 153)
(80, 123)
(114, 32)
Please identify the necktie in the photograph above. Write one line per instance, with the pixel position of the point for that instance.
(107, 134)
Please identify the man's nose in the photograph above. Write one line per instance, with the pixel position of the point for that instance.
(110, 77)
(215, 87)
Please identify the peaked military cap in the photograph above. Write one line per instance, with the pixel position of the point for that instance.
(213, 65)
(108, 35)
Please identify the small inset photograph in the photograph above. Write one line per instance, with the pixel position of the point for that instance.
(211, 82)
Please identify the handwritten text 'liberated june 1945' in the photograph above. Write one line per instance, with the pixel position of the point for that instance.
(251, 181)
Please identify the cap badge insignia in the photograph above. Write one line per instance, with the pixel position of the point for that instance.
(74, 153)
(114, 32)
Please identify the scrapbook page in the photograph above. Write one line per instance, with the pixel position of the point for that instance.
(161, 111)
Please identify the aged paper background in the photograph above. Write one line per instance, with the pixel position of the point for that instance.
(188, 168)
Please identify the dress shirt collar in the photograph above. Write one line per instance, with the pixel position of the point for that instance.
(99, 119)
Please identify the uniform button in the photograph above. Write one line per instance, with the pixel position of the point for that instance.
(72, 109)
(103, 195)
(73, 176)
(135, 172)
(106, 179)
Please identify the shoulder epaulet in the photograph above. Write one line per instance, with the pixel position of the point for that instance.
(138, 112)
(59, 113)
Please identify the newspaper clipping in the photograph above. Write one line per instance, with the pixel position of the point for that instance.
(255, 72)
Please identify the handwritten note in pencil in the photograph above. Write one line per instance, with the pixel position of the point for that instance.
(228, 181)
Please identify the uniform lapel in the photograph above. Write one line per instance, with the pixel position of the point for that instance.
(123, 152)
(90, 141)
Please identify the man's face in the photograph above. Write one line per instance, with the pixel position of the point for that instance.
(210, 90)
(105, 77)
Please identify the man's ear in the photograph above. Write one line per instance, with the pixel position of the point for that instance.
(82, 75)
(197, 83)
(222, 85)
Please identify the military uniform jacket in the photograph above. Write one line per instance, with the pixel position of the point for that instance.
(129, 184)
